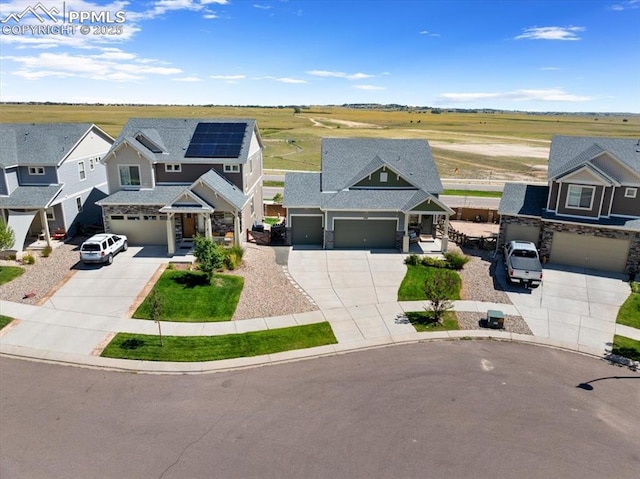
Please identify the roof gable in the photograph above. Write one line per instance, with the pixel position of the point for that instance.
(587, 174)
(374, 179)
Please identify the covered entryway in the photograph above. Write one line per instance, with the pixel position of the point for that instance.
(588, 251)
(20, 223)
(369, 234)
(140, 229)
(306, 230)
(515, 231)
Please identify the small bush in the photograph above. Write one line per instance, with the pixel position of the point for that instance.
(28, 259)
(456, 260)
(233, 257)
(635, 287)
(46, 252)
(434, 262)
(413, 259)
(171, 266)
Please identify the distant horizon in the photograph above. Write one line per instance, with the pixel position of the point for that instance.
(538, 56)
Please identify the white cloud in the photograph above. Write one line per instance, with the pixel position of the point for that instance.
(368, 87)
(550, 94)
(285, 79)
(551, 33)
(228, 77)
(262, 7)
(426, 32)
(188, 79)
(332, 74)
(628, 5)
(112, 65)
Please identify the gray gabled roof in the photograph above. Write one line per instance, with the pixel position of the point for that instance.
(345, 161)
(230, 192)
(30, 197)
(522, 199)
(302, 190)
(570, 152)
(173, 135)
(160, 195)
(38, 144)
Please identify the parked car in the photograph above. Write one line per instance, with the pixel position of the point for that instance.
(522, 263)
(101, 248)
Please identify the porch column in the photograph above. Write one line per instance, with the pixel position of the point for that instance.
(405, 237)
(207, 225)
(236, 229)
(45, 226)
(445, 234)
(171, 235)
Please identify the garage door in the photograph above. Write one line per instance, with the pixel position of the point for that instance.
(589, 251)
(369, 234)
(306, 230)
(522, 232)
(141, 229)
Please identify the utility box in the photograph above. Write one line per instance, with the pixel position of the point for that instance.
(495, 319)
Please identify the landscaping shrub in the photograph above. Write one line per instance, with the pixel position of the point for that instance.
(635, 287)
(210, 255)
(456, 260)
(46, 252)
(28, 259)
(413, 259)
(434, 262)
(233, 257)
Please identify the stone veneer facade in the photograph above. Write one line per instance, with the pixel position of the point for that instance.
(124, 210)
(548, 228)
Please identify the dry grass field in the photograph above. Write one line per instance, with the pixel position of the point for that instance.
(465, 145)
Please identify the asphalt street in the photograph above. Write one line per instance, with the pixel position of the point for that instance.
(479, 409)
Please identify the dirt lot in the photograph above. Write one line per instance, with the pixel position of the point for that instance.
(495, 149)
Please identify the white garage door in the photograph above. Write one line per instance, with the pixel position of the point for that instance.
(141, 229)
(589, 251)
(516, 231)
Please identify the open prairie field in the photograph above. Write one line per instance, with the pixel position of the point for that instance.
(465, 145)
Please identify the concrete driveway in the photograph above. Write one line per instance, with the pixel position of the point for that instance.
(109, 290)
(573, 305)
(345, 278)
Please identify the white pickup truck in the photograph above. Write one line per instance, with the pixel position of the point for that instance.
(522, 263)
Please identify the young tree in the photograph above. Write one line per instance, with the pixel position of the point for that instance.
(210, 256)
(277, 198)
(438, 291)
(7, 238)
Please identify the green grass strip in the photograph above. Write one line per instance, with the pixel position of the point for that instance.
(4, 320)
(627, 347)
(423, 322)
(212, 348)
(273, 184)
(629, 313)
(9, 273)
(480, 193)
(412, 286)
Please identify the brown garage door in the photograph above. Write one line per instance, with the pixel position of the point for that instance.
(590, 251)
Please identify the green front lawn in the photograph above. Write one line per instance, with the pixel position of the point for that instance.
(186, 296)
(629, 348)
(9, 273)
(412, 286)
(4, 320)
(423, 321)
(273, 184)
(213, 348)
(479, 193)
(629, 313)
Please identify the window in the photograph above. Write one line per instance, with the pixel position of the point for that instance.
(150, 217)
(51, 215)
(630, 192)
(580, 197)
(133, 218)
(172, 167)
(79, 204)
(36, 170)
(129, 175)
(117, 217)
(81, 172)
(92, 163)
(384, 176)
(232, 168)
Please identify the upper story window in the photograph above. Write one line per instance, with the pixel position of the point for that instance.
(36, 170)
(79, 204)
(384, 177)
(172, 167)
(630, 192)
(580, 197)
(81, 171)
(232, 168)
(129, 175)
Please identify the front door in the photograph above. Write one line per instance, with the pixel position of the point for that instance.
(188, 225)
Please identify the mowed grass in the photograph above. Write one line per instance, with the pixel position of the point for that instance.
(9, 273)
(213, 348)
(187, 296)
(292, 141)
(412, 286)
(4, 320)
(627, 347)
(423, 321)
(479, 193)
(629, 312)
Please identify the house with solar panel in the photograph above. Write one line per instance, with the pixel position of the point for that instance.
(50, 179)
(171, 179)
(371, 194)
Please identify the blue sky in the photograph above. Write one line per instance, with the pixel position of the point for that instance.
(515, 55)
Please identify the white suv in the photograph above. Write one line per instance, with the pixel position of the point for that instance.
(102, 248)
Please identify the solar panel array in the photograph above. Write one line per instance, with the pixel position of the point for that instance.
(216, 140)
